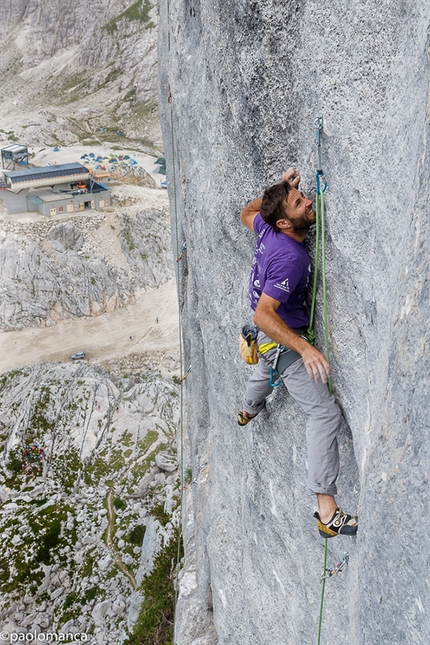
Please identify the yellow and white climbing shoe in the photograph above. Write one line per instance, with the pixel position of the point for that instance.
(340, 524)
(243, 420)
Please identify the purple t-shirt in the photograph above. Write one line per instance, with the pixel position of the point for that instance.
(281, 268)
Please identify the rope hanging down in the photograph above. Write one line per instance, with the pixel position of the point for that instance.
(319, 212)
(181, 357)
(179, 253)
(323, 579)
(320, 188)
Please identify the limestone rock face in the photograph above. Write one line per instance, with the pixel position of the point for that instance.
(79, 268)
(246, 81)
(65, 236)
(75, 446)
(166, 461)
(91, 37)
(70, 71)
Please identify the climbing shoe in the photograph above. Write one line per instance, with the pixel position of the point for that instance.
(242, 420)
(340, 524)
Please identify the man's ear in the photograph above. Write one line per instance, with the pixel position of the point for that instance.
(283, 224)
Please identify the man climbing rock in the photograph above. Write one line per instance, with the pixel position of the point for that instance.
(277, 292)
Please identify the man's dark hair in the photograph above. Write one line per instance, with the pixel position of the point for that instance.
(273, 205)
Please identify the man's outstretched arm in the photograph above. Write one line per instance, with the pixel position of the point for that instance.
(273, 326)
(248, 214)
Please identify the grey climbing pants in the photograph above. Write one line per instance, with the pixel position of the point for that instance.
(323, 416)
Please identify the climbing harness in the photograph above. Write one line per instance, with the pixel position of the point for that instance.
(284, 358)
(265, 347)
(274, 374)
(249, 352)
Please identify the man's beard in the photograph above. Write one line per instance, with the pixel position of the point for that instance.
(302, 223)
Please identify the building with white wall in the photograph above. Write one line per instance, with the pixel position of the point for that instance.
(53, 190)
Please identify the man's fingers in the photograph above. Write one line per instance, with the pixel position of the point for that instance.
(318, 371)
(319, 375)
(325, 372)
(323, 375)
(292, 176)
(312, 372)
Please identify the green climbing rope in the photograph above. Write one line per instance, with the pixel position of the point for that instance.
(322, 592)
(320, 223)
(320, 236)
(320, 240)
(311, 332)
(324, 283)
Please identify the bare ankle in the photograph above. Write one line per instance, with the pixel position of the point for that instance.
(326, 506)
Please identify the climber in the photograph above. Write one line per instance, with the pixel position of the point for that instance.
(277, 292)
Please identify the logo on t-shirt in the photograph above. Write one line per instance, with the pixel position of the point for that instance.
(283, 285)
(257, 283)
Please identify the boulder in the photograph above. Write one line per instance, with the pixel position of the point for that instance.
(65, 237)
(166, 461)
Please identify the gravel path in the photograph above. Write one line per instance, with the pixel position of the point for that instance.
(111, 335)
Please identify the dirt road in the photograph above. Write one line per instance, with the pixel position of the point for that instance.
(125, 331)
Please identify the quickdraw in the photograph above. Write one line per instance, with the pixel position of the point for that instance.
(328, 573)
(190, 484)
(186, 374)
(180, 256)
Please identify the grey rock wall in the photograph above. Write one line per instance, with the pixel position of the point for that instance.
(246, 80)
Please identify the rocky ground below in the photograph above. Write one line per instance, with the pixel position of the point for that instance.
(89, 467)
(89, 481)
(72, 76)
